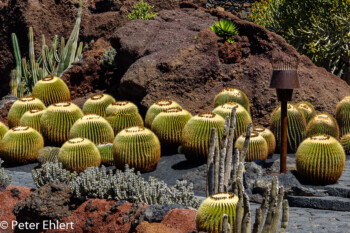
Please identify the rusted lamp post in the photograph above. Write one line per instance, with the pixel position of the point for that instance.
(284, 79)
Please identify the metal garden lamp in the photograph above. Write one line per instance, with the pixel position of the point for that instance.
(284, 79)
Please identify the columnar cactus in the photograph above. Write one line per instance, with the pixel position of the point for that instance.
(31, 118)
(51, 90)
(106, 152)
(168, 126)
(118, 107)
(307, 109)
(122, 121)
(138, 147)
(257, 147)
(242, 116)
(345, 142)
(196, 135)
(21, 145)
(230, 94)
(212, 209)
(77, 154)
(343, 115)
(57, 121)
(296, 127)
(93, 127)
(323, 123)
(3, 130)
(20, 107)
(98, 104)
(320, 159)
(268, 136)
(157, 108)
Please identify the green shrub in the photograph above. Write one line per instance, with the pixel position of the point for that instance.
(225, 29)
(142, 10)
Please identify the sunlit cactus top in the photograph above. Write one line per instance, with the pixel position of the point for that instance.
(121, 107)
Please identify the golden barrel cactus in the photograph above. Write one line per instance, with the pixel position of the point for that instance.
(320, 159)
(106, 152)
(268, 136)
(21, 145)
(343, 115)
(98, 104)
(196, 135)
(93, 127)
(31, 118)
(257, 147)
(21, 106)
(230, 94)
(3, 130)
(212, 209)
(157, 108)
(307, 109)
(138, 147)
(51, 90)
(57, 121)
(48, 154)
(323, 123)
(122, 121)
(345, 142)
(118, 107)
(77, 154)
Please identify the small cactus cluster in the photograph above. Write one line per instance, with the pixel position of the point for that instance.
(157, 108)
(48, 154)
(323, 123)
(98, 104)
(307, 109)
(343, 115)
(230, 94)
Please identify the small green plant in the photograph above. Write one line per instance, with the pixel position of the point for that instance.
(108, 59)
(5, 180)
(225, 29)
(142, 10)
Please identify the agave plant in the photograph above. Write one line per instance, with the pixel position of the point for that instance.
(226, 29)
(51, 61)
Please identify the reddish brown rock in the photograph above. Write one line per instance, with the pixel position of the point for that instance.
(146, 227)
(182, 220)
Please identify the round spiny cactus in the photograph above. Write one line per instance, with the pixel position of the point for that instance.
(320, 159)
(196, 135)
(98, 104)
(242, 116)
(168, 126)
(20, 107)
(307, 109)
(157, 108)
(48, 154)
(345, 142)
(138, 147)
(51, 90)
(323, 123)
(257, 147)
(57, 121)
(93, 127)
(3, 130)
(212, 209)
(77, 154)
(118, 107)
(343, 115)
(268, 136)
(230, 94)
(21, 145)
(31, 118)
(296, 127)
(106, 152)
(122, 121)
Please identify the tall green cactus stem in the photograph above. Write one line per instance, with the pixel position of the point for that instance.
(98, 104)
(48, 155)
(106, 152)
(345, 142)
(20, 107)
(138, 147)
(343, 115)
(157, 108)
(230, 94)
(268, 136)
(21, 145)
(257, 147)
(168, 126)
(122, 121)
(320, 159)
(32, 118)
(323, 123)
(296, 127)
(242, 116)
(57, 121)
(307, 109)
(212, 209)
(93, 127)
(51, 90)
(121, 107)
(3, 130)
(77, 154)
(196, 135)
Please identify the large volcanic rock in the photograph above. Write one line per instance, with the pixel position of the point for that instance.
(177, 57)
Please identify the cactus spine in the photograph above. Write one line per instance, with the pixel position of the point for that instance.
(196, 135)
(93, 127)
(157, 108)
(323, 123)
(320, 159)
(307, 109)
(106, 152)
(77, 154)
(57, 121)
(3, 130)
(118, 107)
(51, 90)
(138, 147)
(268, 136)
(343, 115)
(168, 126)
(257, 147)
(31, 118)
(98, 104)
(21, 145)
(20, 107)
(230, 94)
